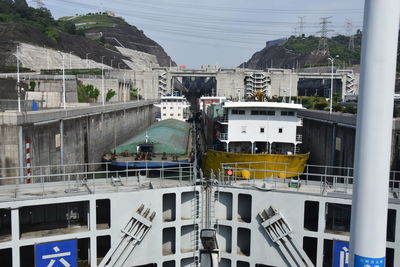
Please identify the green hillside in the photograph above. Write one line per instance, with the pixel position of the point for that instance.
(94, 20)
(338, 45)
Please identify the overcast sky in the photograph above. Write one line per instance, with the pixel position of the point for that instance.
(223, 32)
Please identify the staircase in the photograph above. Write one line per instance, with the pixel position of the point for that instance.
(279, 231)
(132, 234)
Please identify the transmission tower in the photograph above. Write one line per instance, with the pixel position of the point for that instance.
(301, 26)
(39, 3)
(349, 33)
(323, 41)
(295, 31)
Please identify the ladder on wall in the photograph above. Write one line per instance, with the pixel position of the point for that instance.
(279, 231)
(214, 194)
(195, 235)
(132, 234)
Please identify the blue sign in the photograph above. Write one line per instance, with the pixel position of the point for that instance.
(368, 262)
(341, 253)
(56, 254)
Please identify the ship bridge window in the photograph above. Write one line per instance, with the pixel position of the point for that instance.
(287, 113)
(258, 112)
(337, 218)
(238, 112)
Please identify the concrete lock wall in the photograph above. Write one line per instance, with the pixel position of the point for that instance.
(55, 86)
(121, 89)
(147, 83)
(78, 136)
(230, 84)
(330, 139)
(284, 83)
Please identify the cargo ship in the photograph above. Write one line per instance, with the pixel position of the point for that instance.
(164, 144)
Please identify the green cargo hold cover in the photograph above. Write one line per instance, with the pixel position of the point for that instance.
(169, 136)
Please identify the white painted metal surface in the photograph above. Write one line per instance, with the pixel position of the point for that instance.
(374, 129)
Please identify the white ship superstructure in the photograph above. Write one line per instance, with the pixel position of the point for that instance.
(260, 127)
(174, 107)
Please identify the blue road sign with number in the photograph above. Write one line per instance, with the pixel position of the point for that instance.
(56, 254)
(341, 253)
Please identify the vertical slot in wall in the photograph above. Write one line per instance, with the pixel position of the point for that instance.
(244, 208)
(224, 206)
(169, 241)
(169, 207)
(243, 241)
(224, 238)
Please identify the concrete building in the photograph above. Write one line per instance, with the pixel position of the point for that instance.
(260, 127)
(237, 83)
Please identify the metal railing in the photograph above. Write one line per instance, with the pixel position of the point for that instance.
(59, 180)
(223, 136)
(12, 104)
(315, 179)
(223, 118)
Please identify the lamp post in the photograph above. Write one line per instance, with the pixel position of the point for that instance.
(332, 60)
(87, 60)
(63, 77)
(290, 88)
(70, 63)
(102, 79)
(18, 83)
(112, 61)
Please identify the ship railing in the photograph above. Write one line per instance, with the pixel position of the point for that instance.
(314, 179)
(223, 136)
(89, 182)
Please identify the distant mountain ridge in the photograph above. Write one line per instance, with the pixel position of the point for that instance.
(36, 26)
(303, 52)
(299, 52)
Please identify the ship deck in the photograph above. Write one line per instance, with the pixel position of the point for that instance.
(61, 183)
